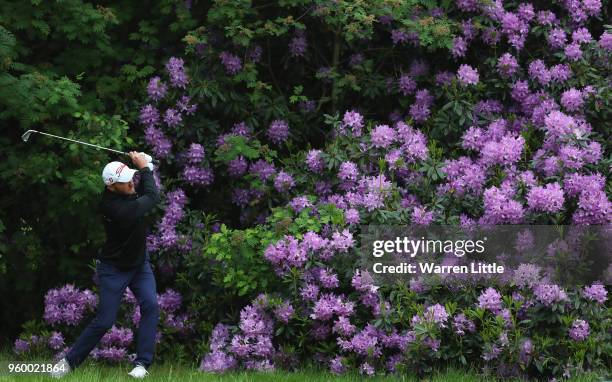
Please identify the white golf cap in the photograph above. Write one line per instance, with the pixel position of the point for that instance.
(117, 172)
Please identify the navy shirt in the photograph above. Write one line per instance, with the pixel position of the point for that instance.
(125, 223)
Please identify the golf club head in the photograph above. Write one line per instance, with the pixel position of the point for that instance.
(27, 134)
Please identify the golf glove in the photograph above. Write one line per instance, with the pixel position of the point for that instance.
(149, 161)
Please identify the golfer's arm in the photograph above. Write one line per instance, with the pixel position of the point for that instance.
(140, 189)
(150, 196)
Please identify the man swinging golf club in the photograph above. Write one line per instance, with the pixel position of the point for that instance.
(123, 262)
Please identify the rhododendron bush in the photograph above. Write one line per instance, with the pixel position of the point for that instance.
(68, 308)
(280, 132)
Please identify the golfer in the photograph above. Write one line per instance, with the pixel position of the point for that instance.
(123, 261)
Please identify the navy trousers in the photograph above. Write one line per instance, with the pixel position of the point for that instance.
(113, 282)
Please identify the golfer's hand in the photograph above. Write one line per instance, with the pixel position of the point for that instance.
(138, 159)
(147, 157)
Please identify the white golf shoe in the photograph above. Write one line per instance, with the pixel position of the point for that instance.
(138, 372)
(60, 369)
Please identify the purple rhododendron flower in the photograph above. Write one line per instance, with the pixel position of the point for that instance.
(579, 330)
(467, 75)
(231, 62)
(149, 115)
(172, 117)
(195, 154)
(283, 182)
(596, 292)
(547, 199)
(354, 121)
(21, 346)
(176, 70)
(298, 44)
(491, 300)
(314, 161)
(278, 131)
(382, 136)
(68, 305)
(156, 89)
(507, 65)
(56, 340)
(407, 85)
(548, 294)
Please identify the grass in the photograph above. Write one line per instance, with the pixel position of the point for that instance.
(90, 371)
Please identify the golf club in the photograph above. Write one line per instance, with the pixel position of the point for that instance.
(27, 134)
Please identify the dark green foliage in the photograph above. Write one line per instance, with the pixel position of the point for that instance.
(71, 68)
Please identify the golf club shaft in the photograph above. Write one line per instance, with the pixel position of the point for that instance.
(84, 143)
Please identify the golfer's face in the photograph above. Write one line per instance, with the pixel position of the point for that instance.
(125, 187)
